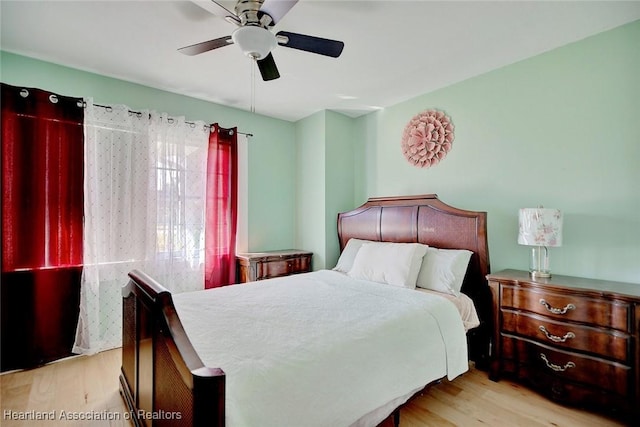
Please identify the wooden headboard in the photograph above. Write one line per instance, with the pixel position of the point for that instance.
(425, 219)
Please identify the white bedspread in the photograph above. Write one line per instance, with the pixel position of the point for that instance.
(321, 349)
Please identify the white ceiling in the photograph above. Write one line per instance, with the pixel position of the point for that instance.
(394, 50)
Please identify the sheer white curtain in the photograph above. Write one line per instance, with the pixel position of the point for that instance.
(144, 191)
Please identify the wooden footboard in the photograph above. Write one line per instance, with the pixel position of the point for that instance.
(162, 380)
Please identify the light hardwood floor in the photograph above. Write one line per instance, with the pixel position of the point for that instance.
(89, 386)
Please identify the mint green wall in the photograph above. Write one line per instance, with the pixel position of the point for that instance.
(339, 178)
(560, 130)
(271, 152)
(310, 187)
(324, 182)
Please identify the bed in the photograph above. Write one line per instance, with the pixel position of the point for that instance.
(171, 371)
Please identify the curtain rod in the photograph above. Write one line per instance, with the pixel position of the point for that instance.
(108, 108)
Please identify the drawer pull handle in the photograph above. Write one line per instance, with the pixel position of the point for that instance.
(556, 338)
(555, 310)
(557, 368)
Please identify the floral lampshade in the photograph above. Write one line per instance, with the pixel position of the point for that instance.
(540, 228)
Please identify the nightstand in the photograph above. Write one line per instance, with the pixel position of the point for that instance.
(575, 340)
(265, 265)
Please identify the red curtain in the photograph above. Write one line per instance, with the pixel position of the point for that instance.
(42, 209)
(221, 209)
(42, 179)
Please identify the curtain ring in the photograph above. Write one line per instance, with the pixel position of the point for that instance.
(53, 99)
(24, 93)
(82, 104)
(231, 132)
(170, 120)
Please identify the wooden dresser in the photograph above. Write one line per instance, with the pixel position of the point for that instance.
(265, 265)
(575, 340)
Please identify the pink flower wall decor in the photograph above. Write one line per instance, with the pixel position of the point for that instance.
(427, 138)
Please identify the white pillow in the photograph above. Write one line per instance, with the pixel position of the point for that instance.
(395, 264)
(443, 270)
(345, 262)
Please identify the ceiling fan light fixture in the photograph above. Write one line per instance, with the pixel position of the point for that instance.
(255, 42)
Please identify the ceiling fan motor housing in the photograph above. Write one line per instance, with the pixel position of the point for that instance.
(250, 14)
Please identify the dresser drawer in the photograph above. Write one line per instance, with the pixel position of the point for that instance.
(578, 394)
(266, 265)
(566, 366)
(269, 269)
(567, 306)
(608, 343)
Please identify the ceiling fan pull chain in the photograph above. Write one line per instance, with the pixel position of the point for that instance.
(253, 85)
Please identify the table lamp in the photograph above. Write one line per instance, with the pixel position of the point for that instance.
(540, 228)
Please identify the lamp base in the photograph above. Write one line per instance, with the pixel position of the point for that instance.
(539, 263)
(540, 274)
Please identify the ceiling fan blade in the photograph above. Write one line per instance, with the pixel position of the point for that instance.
(312, 44)
(276, 9)
(218, 10)
(268, 69)
(198, 48)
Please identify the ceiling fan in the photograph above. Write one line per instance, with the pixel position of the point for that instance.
(255, 20)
